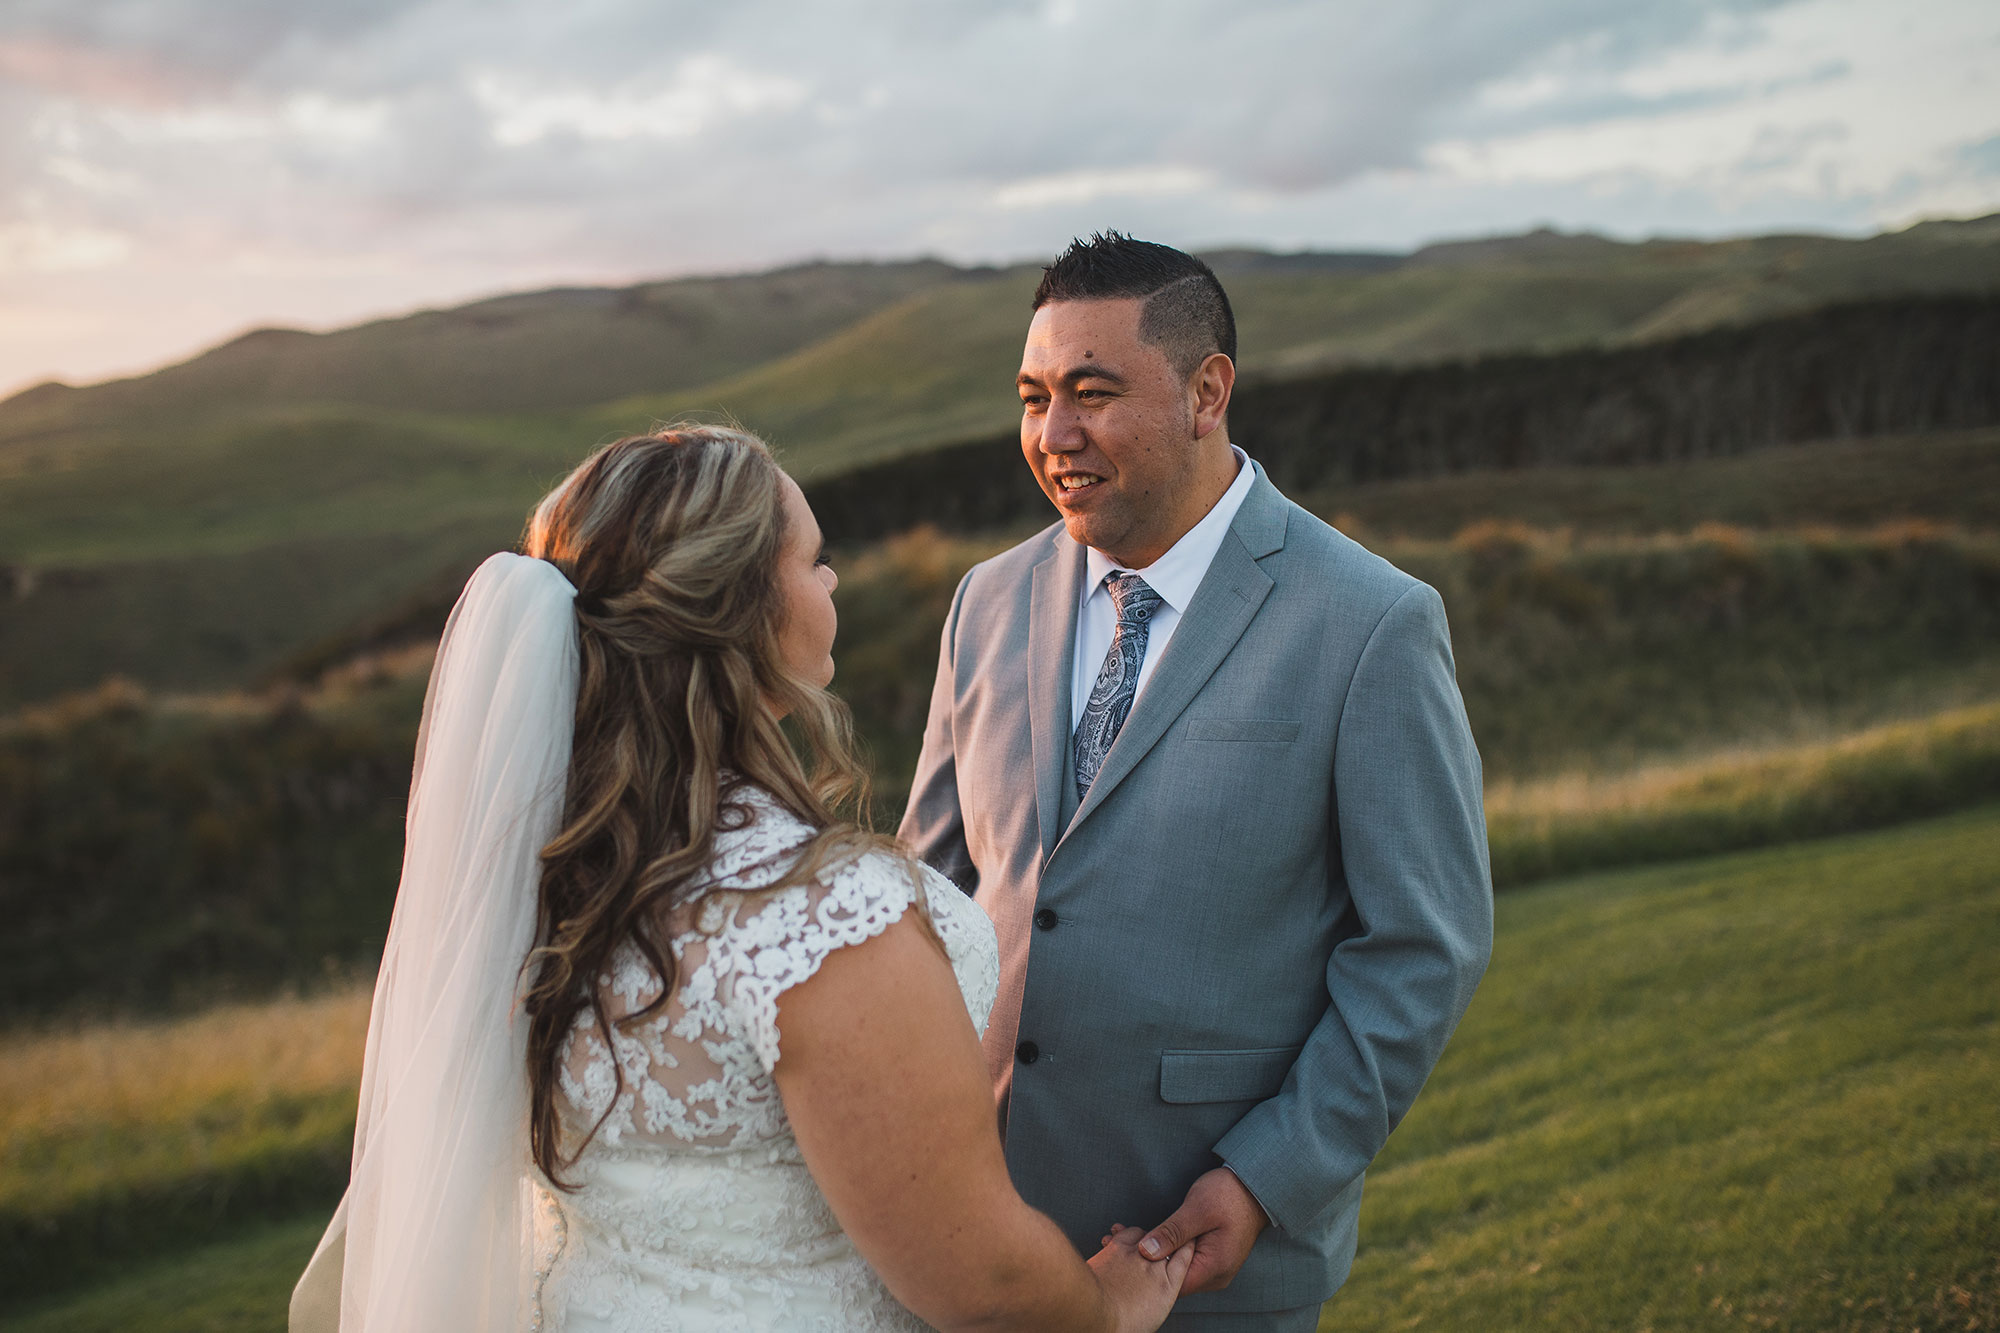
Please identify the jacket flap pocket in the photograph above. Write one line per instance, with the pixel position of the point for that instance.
(1225, 1076)
(1269, 729)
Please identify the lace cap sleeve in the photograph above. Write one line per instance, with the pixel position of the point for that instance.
(781, 941)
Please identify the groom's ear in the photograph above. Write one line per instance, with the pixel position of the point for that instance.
(1208, 393)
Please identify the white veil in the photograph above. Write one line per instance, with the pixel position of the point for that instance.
(436, 1229)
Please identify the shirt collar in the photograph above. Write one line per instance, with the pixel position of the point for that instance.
(1179, 572)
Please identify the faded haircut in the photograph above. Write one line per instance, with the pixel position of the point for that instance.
(1186, 313)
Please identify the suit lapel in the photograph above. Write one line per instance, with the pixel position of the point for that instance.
(1051, 648)
(1222, 608)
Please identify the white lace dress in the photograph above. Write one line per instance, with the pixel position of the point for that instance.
(695, 1209)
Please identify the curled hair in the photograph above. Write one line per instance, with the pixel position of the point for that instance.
(1185, 312)
(672, 540)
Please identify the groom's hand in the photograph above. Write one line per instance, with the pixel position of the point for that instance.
(1222, 1219)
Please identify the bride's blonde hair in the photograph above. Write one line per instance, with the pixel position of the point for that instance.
(672, 541)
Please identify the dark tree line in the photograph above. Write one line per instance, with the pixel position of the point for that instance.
(1877, 368)
(1868, 369)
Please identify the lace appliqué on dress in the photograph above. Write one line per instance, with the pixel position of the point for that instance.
(695, 1208)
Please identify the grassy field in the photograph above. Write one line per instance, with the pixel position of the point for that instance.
(235, 1286)
(1752, 1091)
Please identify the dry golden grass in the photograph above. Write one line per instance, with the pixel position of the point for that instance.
(1744, 798)
(1728, 777)
(358, 679)
(132, 1073)
(359, 675)
(124, 1139)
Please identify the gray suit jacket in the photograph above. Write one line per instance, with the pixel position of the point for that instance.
(1252, 939)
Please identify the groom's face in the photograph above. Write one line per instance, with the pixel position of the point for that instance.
(1108, 427)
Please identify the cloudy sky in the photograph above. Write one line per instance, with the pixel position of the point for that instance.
(175, 171)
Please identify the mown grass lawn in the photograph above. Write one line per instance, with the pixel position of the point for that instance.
(1758, 1091)
(1754, 1091)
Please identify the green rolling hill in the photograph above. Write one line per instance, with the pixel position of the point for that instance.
(525, 352)
(198, 525)
(936, 368)
(838, 364)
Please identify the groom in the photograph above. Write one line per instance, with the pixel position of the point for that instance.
(1204, 762)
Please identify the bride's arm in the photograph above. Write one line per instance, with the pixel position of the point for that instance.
(887, 1093)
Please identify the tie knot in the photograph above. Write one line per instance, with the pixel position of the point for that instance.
(1133, 597)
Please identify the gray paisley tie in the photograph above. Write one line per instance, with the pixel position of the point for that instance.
(1118, 679)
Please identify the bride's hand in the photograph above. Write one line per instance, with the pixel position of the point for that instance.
(1142, 1290)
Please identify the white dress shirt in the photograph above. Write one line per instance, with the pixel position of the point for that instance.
(1174, 576)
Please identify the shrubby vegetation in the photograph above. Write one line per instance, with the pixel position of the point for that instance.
(1610, 650)
(159, 851)
(156, 852)
(1581, 651)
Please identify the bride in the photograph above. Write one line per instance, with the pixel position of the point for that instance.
(659, 1041)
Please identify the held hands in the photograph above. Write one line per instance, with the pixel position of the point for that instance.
(1142, 1292)
(1221, 1219)
(1199, 1248)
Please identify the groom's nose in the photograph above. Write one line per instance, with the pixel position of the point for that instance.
(1062, 428)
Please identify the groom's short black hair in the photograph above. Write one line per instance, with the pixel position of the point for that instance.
(1186, 312)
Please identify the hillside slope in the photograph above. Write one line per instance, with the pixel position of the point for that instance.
(523, 352)
(939, 366)
(848, 363)
(242, 505)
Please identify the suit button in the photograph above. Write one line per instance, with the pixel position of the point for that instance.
(1045, 919)
(1027, 1052)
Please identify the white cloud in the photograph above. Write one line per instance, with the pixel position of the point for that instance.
(1826, 102)
(242, 162)
(703, 91)
(1085, 187)
(38, 247)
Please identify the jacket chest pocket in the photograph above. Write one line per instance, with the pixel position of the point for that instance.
(1225, 1076)
(1246, 730)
